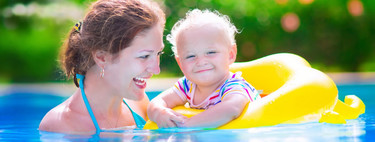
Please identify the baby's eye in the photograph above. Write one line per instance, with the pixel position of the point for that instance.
(160, 53)
(211, 52)
(190, 56)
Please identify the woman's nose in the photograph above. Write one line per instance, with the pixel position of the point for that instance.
(154, 67)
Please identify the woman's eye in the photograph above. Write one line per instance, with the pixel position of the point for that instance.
(144, 56)
(160, 53)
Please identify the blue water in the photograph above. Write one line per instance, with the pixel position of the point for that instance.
(22, 111)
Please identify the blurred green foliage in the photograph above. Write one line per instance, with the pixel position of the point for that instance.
(328, 35)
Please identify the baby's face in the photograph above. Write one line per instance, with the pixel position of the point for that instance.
(204, 54)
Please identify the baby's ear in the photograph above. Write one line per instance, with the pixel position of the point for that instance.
(177, 60)
(233, 53)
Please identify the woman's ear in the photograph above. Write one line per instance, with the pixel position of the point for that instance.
(233, 53)
(101, 58)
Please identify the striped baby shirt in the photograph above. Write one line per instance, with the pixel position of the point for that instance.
(235, 84)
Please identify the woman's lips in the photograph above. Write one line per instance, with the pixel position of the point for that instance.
(140, 82)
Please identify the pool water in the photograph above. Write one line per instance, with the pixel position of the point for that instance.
(22, 111)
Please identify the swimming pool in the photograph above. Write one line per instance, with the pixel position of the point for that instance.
(22, 111)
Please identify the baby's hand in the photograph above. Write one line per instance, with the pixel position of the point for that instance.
(182, 124)
(169, 118)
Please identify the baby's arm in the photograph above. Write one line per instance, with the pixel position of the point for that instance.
(159, 109)
(230, 108)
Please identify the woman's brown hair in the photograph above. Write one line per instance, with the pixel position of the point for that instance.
(110, 25)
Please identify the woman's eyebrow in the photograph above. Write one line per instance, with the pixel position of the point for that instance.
(147, 50)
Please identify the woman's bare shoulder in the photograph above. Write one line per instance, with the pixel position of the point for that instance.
(55, 120)
(66, 118)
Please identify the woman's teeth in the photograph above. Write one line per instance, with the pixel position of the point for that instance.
(139, 81)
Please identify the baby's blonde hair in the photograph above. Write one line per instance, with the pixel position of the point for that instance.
(198, 17)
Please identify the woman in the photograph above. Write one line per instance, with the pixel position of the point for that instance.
(110, 54)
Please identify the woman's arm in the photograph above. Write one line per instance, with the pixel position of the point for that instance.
(159, 109)
(230, 108)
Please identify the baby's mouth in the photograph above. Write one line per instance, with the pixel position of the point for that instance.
(204, 70)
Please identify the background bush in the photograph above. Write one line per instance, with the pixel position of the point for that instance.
(330, 37)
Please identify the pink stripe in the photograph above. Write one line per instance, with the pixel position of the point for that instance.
(226, 90)
(182, 89)
(248, 94)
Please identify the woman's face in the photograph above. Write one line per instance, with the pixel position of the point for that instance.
(128, 73)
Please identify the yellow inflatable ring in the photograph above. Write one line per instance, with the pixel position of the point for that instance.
(293, 93)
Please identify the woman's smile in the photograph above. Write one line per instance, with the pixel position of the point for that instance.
(140, 82)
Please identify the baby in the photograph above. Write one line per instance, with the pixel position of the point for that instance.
(204, 48)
